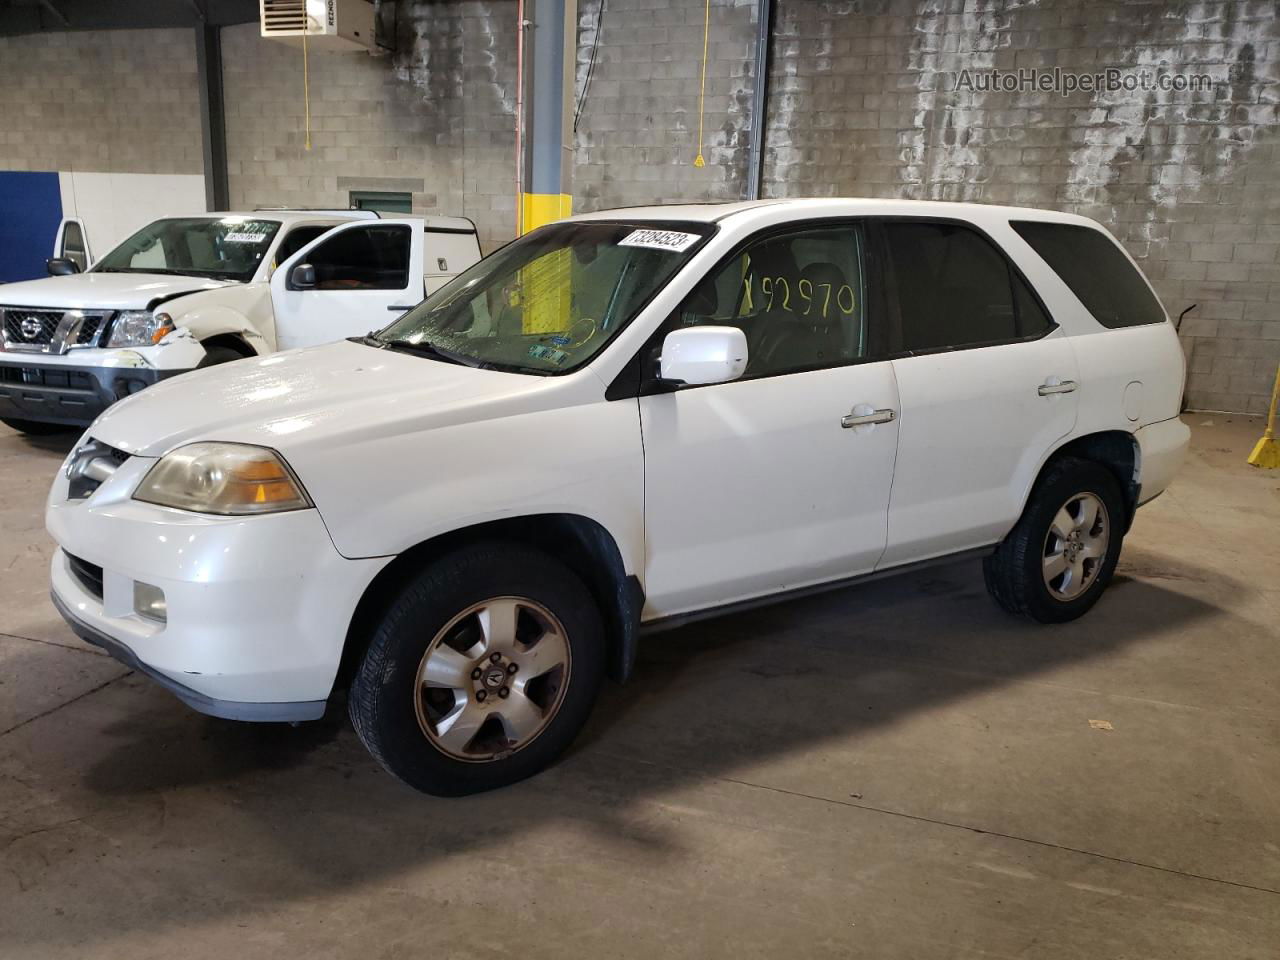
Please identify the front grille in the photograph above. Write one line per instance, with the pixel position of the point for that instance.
(46, 377)
(89, 329)
(43, 330)
(88, 574)
(30, 327)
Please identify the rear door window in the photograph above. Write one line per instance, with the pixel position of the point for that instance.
(1097, 271)
(956, 289)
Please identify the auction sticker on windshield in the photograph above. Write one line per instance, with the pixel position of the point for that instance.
(660, 240)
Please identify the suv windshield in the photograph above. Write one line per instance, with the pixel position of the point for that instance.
(225, 248)
(551, 300)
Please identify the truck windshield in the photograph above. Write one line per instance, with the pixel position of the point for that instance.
(224, 248)
(550, 301)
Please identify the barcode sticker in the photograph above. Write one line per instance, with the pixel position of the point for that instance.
(660, 240)
(244, 237)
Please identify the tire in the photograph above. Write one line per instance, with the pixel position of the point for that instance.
(37, 428)
(1038, 573)
(216, 355)
(402, 710)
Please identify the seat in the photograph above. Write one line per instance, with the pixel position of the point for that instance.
(794, 339)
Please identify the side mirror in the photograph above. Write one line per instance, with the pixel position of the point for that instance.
(61, 267)
(700, 355)
(302, 277)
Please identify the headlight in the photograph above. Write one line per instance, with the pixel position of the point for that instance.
(231, 479)
(138, 328)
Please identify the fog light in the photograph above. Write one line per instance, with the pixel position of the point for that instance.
(148, 601)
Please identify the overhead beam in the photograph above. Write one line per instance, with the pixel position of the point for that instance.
(213, 128)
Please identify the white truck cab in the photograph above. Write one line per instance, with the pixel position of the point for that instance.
(193, 291)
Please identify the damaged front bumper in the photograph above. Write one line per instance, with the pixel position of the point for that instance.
(74, 388)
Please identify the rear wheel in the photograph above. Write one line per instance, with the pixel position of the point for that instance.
(1054, 565)
(481, 672)
(36, 428)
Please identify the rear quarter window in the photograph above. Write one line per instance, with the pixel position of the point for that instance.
(1096, 270)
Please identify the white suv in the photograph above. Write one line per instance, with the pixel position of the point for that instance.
(619, 422)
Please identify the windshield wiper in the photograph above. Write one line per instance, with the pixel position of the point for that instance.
(426, 349)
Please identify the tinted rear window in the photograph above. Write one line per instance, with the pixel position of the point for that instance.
(1096, 270)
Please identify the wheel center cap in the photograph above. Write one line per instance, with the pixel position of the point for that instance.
(494, 677)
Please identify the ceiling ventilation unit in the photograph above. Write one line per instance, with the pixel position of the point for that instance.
(326, 24)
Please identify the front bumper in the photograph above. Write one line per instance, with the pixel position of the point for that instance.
(33, 389)
(258, 607)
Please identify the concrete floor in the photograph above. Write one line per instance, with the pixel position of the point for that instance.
(897, 770)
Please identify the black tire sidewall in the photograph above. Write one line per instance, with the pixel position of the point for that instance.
(382, 694)
(1066, 480)
(216, 355)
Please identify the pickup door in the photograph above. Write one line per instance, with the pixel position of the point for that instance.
(366, 273)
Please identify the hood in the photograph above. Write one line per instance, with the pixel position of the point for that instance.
(317, 396)
(102, 291)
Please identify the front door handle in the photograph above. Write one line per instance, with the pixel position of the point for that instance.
(856, 419)
(401, 307)
(1048, 389)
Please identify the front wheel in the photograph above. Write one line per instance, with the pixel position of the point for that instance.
(481, 672)
(1054, 565)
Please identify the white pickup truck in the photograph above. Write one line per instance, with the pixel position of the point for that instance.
(188, 292)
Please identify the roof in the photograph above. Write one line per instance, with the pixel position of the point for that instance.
(830, 206)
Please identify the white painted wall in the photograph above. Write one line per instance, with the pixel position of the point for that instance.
(113, 206)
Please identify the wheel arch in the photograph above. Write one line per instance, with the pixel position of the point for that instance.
(231, 341)
(582, 544)
(1117, 450)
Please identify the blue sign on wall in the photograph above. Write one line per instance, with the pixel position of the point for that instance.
(30, 211)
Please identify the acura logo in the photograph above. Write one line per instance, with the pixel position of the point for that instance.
(31, 327)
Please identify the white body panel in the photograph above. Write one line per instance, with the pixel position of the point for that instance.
(711, 494)
(752, 488)
(974, 434)
(307, 317)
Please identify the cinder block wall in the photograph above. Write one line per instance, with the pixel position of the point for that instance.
(436, 119)
(864, 101)
(637, 127)
(119, 102)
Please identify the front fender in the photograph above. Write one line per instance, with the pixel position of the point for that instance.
(235, 312)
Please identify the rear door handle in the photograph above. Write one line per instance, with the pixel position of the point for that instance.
(1048, 389)
(856, 419)
(402, 309)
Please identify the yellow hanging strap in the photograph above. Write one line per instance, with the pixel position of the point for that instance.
(1267, 453)
(698, 161)
(306, 83)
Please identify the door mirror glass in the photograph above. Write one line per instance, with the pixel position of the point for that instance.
(303, 277)
(61, 267)
(700, 355)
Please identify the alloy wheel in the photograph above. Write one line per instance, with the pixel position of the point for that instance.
(492, 679)
(1075, 548)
